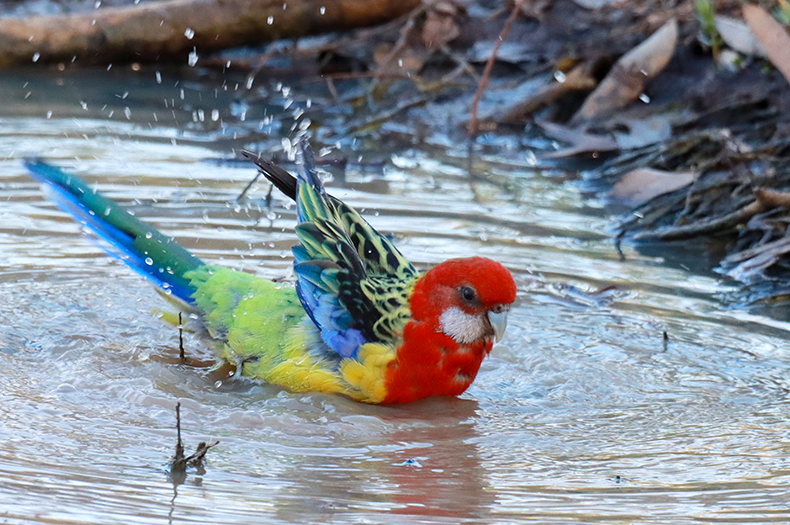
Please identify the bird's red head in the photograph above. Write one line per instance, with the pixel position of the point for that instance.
(458, 309)
(467, 298)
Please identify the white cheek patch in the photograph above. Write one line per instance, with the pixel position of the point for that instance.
(461, 326)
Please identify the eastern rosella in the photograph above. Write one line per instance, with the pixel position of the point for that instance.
(359, 321)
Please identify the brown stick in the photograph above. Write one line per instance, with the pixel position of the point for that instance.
(708, 227)
(472, 126)
(162, 30)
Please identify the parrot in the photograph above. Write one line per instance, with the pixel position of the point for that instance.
(358, 321)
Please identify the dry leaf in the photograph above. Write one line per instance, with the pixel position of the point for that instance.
(627, 79)
(771, 35)
(738, 36)
(439, 29)
(406, 60)
(580, 140)
(641, 185)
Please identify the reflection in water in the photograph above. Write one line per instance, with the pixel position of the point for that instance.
(584, 389)
(412, 468)
(447, 464)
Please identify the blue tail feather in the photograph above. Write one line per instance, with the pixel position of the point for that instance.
(136, 244)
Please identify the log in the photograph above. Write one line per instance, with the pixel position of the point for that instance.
(171, 29)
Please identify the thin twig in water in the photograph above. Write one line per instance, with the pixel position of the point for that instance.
(179, 454)
(179, 462)
(243, 193)
(472, 127)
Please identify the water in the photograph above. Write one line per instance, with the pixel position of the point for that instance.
(582, 415)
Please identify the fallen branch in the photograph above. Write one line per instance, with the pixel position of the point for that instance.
(172, 29)
(712, 226)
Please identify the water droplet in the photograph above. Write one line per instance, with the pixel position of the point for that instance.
(532, 159)
(36, 56)
(270, 20)
(189, 33)
(148, 235)
(322, 10)
(250, 80)
(127, 112)
(193, 57)
(158, 77)
(149, 261)
(271, 215)
(214, 115)
(559, 76)
(239, 109)
(49, 114)
(644, 98)
(97, 4)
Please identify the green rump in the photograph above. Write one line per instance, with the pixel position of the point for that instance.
(259, 319)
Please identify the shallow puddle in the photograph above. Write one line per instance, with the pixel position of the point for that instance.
(583, 414)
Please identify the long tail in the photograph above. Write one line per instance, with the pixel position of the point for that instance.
(140, 246)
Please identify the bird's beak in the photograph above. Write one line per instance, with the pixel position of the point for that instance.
(498, 323)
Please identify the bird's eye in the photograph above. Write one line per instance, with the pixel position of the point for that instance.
(468, 293)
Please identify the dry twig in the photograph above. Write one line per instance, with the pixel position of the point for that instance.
(473, 126)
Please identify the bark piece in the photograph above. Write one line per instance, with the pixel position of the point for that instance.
(171, 29)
